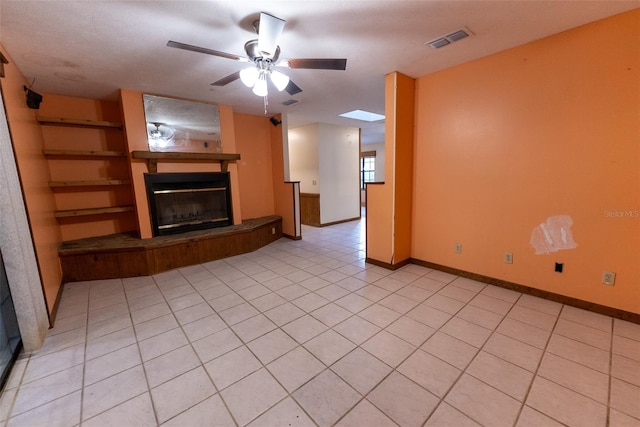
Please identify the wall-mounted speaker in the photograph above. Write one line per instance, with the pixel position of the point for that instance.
(274, 121)
(33, 98)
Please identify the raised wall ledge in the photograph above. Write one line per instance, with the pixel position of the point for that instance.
(153, 157)
(125, 255)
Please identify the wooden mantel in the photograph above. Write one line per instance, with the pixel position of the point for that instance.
(153, 157)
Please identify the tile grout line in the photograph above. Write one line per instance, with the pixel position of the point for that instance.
(82, 421)
(609, 390)
(15, 397)
(144, 371)
(535, 374)
(84, 358)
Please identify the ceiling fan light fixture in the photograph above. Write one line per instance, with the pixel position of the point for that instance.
(260, 88)
(249, 76)
(279, 80)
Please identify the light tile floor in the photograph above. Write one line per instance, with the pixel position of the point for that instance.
(305, 333)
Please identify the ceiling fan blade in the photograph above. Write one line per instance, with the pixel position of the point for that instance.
(292, 88)
(318, 64)
(199, 49)
(226, 80)
(270, 29)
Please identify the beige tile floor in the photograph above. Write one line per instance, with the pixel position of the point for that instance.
(304, 333)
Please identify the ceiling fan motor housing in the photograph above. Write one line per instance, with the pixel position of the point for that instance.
(253, 53)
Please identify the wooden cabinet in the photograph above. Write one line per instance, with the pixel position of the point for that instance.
(310, 209)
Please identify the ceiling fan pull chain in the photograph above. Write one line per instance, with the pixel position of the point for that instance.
(266, 102)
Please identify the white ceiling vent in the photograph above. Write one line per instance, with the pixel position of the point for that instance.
(290, 101)
(450, 38)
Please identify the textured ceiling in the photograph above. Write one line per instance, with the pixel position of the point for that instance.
(93, 48)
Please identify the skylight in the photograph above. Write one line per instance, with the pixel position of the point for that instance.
(365, 116)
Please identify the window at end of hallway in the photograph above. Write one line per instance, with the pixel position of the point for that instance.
(367, 167)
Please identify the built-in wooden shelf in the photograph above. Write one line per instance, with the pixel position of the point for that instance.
(153, 157)
(88, 183)
(58, 121)
(92, 211)
(91, 184)
(83, 153)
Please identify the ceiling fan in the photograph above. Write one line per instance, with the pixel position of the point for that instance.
(159, 134)
(264, 54)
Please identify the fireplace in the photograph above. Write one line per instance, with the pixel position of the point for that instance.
(180, 202)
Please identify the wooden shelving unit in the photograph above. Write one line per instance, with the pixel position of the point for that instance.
(88, 184)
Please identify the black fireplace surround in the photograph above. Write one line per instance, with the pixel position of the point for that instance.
(181, 202)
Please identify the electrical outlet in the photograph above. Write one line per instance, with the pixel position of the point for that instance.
(273, 230)
(558, 268)
(508, 258)
(458, 248)
(608, 278)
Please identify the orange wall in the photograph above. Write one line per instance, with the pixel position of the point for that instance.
(27, 139)
(548, 128)
(76, 138)
(253, 142)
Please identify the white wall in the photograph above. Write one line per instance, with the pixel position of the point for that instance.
(303, 157)
(339, 160)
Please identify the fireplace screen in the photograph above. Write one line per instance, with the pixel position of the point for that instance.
(182, 202)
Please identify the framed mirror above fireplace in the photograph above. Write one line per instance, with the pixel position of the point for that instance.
(183, 126)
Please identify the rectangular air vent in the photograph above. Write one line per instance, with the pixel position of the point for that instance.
(450, 38)
(290, 101)
(438, 43)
